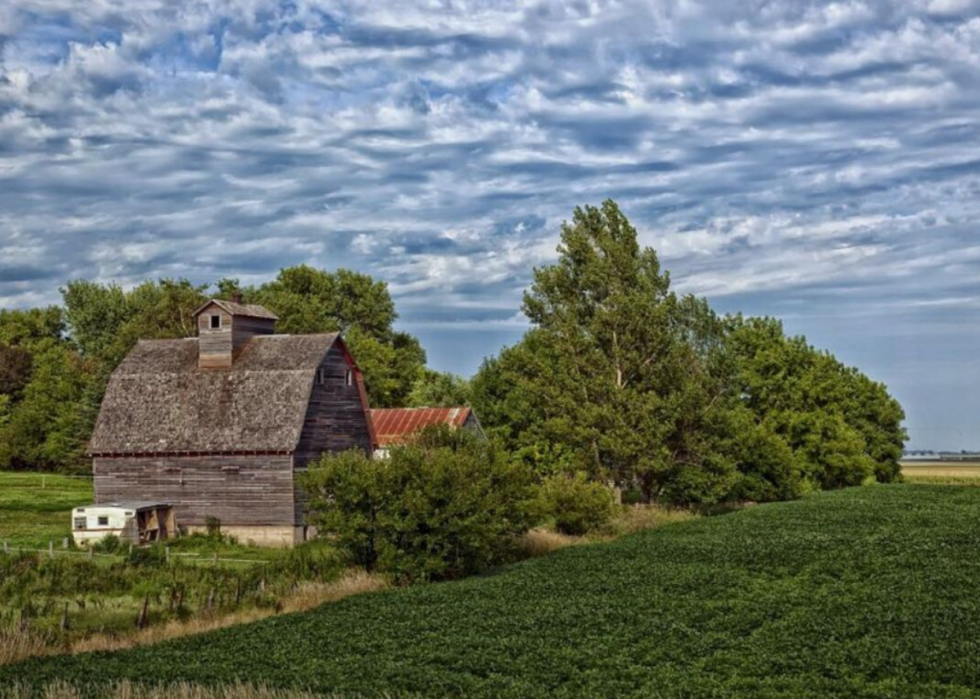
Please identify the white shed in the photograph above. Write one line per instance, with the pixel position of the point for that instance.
(132, 522)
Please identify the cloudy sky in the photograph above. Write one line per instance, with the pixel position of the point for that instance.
(815, 161)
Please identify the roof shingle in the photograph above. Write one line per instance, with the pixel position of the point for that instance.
(159, 401)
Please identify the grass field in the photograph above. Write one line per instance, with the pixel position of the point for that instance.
(868, 592)
(942, 472)
(36, 508)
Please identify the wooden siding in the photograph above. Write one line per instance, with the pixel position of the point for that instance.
(244, 328)
(215, 346)
(219, 348)
(255, 490)
(336, 418)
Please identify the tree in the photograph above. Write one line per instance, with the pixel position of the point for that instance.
(841, 427)
(435, 389)
(15, 370)
(618, 368)
(105, 322)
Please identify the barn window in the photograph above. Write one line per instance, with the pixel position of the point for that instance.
(215, 322)
(103, 521)
(349, 378)
(321, 377)
(79, 523)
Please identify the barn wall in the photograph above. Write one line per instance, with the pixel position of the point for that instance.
(241, 491)
(336, 420)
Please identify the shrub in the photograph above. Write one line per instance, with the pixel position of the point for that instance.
(213, 527)
(444, 506)
(110, 543)
(577, 505)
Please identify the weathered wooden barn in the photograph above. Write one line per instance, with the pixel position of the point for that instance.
(220, 424)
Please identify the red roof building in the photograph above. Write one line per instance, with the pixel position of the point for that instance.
(393, 425)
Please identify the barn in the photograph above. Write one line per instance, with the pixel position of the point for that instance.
(219, 425)
(394, 426)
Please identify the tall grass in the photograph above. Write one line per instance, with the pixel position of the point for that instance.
(16, 646)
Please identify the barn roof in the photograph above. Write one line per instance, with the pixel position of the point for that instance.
(392, 425)
(159, 402)
(239, 309)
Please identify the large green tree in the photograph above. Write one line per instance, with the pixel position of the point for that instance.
(843, 427)
(619, 377)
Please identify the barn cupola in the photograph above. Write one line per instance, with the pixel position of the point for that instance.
(225, 327)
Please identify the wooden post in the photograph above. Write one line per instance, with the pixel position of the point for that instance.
(143, 620)
(91, 552)
(64, 543)
(6, 546)
(166, 550)
(51, 549)
(214, 559)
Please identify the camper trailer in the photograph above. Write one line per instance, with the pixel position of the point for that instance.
(133, 522)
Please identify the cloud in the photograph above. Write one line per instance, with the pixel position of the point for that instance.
(802, 158)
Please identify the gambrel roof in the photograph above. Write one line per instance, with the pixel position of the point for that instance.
(159, 402)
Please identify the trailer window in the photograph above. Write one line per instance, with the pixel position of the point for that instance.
(79, 523)
(103, 521)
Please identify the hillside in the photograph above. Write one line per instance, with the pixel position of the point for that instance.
(868, 592)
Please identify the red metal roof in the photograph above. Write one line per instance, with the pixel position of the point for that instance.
(391, 425)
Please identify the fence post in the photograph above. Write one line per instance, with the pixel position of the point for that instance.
(166, 550)
(64, 543)
(6, 546)
(50, 549)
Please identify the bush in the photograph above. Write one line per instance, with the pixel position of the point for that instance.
(577, 505)
(445, 506)
(213, 527)
(110, 543)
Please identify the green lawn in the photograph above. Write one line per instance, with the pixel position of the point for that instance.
(36, 508)
(868, 592)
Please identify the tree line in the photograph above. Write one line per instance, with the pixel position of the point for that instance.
(619, 378)
(55, 362)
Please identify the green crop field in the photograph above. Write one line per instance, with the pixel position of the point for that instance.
(36, 508)
(867, 592)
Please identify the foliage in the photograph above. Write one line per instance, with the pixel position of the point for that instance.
(309, 300)
(444, 506)
(437, 389)
(15, 370)
(842, 427)
(110, 543)
(577, 505)
(213, 526)
(757, 603)
(622, 379)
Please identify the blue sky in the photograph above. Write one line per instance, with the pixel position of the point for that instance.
(815, 161)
